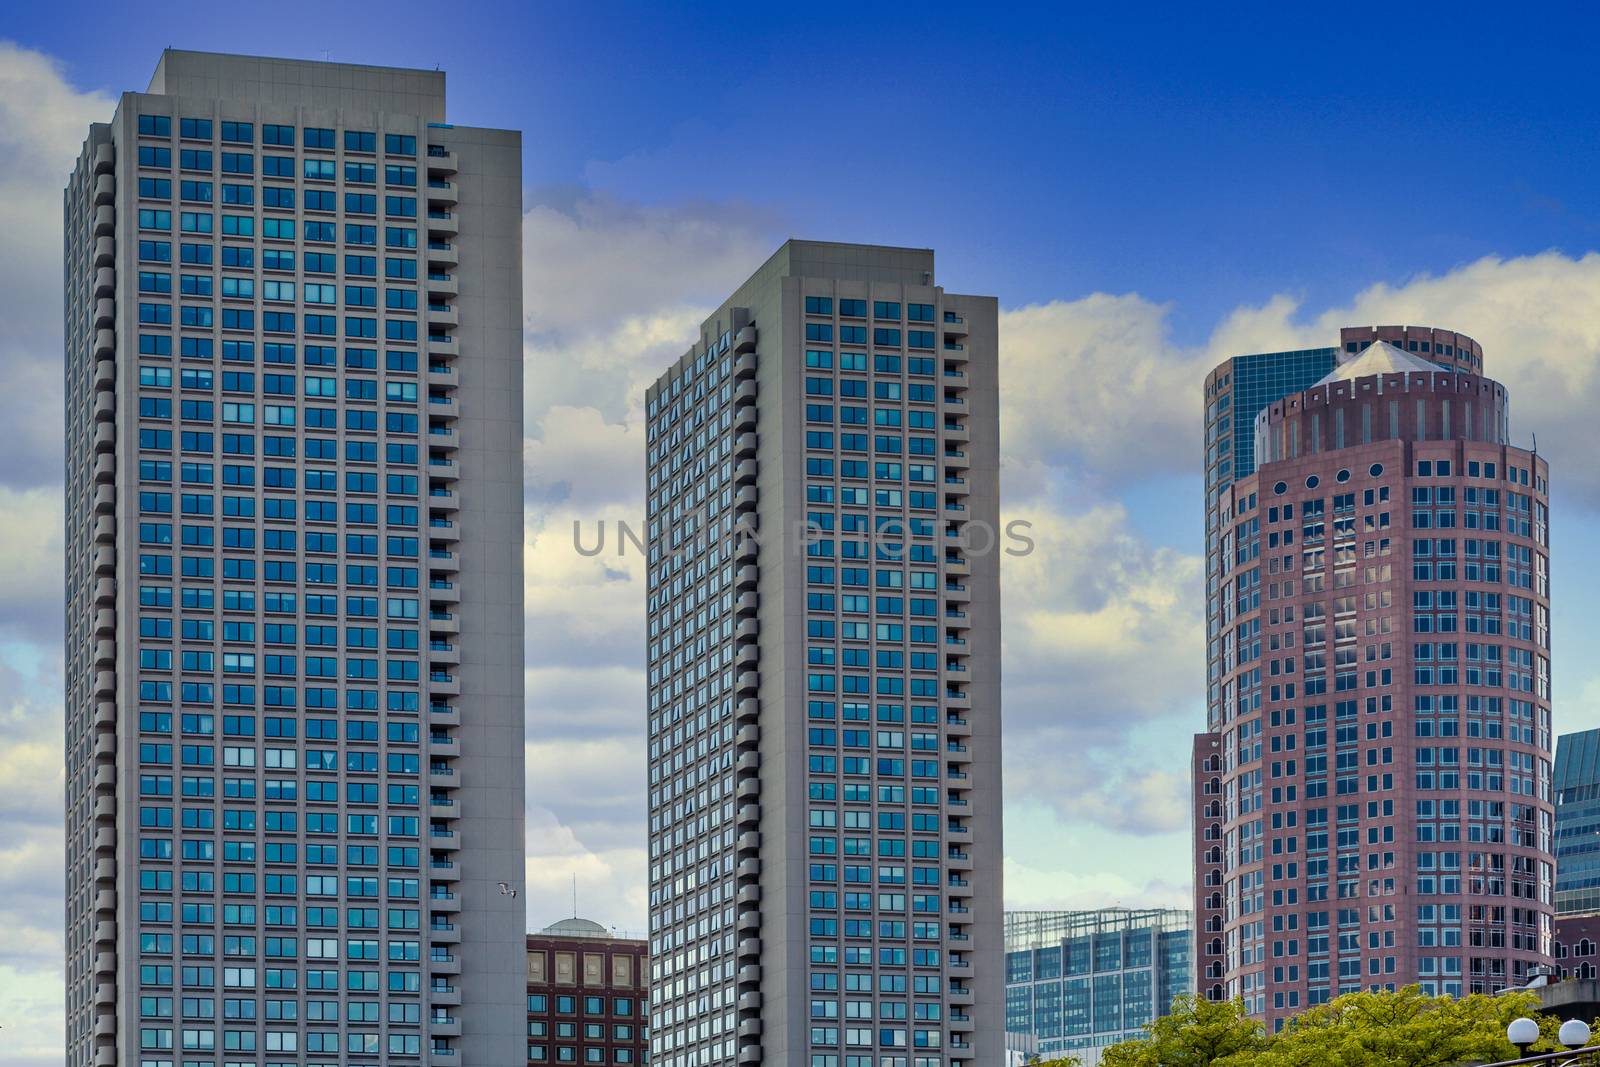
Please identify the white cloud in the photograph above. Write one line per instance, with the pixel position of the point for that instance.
(30, 584)
(610, 882)
(580, 460)
(614, 291)
(43, 122)
(1098, 386)
(1102, 637)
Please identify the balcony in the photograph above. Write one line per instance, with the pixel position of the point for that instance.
(441, 160)
(442, 222)
(441, 191)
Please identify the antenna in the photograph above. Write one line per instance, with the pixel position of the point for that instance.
(574, 894)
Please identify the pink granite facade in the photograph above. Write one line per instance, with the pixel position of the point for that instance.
(1372, 796)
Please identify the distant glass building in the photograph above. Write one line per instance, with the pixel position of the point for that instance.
(1577, 790)
(1079, 981)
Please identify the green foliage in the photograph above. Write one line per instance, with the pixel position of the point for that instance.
(1198, 1033)
(1401, 1029)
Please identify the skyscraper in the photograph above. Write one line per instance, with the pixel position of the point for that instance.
(824, 719)
(1577, 794)
(294, 620)
(1372, 794)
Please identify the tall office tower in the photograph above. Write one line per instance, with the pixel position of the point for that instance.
(1078, 982)
(1372, 797)
(1577, 795)
(824, 657)
(294, 618)
(1235, 392)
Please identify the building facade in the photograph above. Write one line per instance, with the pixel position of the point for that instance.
(586, 995)
(294, 621)
(1372, 795)
(1080, 981)
(1577, 793)
(824, 718)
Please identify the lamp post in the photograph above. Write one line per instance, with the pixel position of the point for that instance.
(1574, 1034)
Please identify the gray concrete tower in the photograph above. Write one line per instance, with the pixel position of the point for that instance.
(824, 673)
(294, 574)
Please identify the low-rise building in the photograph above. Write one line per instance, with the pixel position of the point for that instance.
(587, 995)
(1080, 981)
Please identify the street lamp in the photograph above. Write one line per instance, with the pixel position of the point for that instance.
(1522, 1033)
(1574, 1035)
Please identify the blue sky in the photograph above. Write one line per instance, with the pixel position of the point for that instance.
(1195, 155)
(1147, 191)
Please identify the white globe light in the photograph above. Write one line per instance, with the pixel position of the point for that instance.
(1574, 1033)
(1522, 1032)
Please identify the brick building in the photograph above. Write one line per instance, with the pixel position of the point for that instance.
(1373, 793)
(586, 995)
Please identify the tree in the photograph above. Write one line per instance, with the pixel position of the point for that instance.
(1400, 1029)
(1403, 1029)
(1197, 1033)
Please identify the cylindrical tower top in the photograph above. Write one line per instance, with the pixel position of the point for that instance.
(1383, 394)
(1446, 348)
